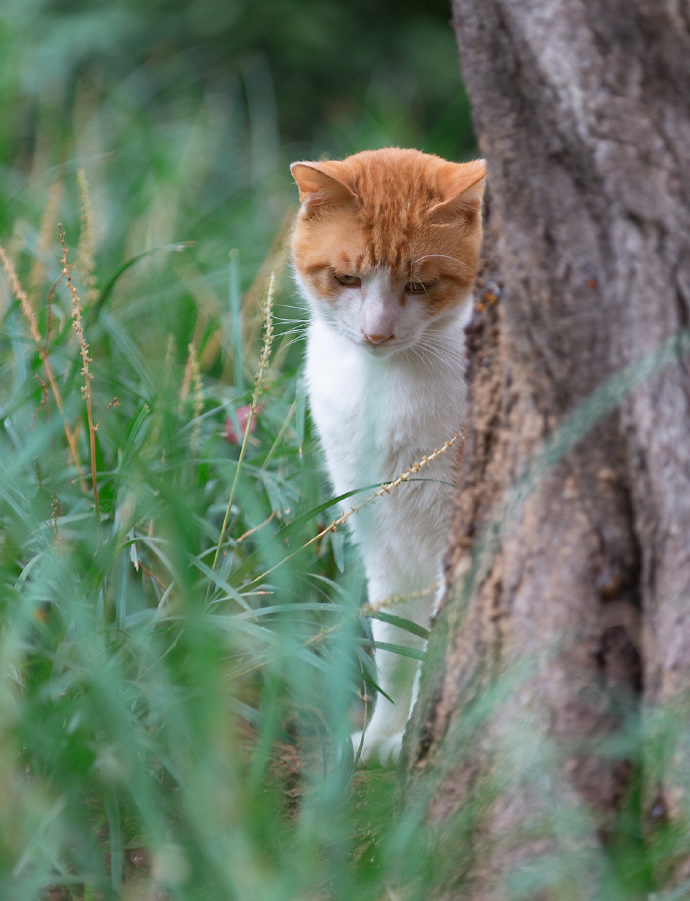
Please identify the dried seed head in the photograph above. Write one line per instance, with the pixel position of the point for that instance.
(85, 248)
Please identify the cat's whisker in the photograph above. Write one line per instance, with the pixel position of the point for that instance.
(420, 356)
(443, 342)
(447, 356)
(443, 353)
(443, 256)
(429, 256)
(415, 278)
(299, 330)
(294, 340)
(429, 358)
(291, 320)
(294, 331)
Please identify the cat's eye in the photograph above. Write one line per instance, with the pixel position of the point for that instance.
(418, 287)
(351, 281)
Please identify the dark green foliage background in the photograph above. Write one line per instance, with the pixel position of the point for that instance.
(330, 66)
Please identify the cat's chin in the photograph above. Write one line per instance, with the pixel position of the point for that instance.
(378, 351)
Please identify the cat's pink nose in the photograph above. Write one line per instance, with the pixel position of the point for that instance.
(376, 339)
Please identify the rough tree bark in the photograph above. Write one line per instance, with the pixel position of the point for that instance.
(558, 675)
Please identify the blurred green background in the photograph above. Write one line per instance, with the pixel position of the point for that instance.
(182, 652)
(218, 97)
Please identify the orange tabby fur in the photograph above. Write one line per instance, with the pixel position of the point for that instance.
(389, 228)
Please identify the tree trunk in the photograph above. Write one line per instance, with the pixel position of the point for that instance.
(550, 747)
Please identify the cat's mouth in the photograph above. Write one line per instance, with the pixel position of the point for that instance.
(377, 340)
(384, 348)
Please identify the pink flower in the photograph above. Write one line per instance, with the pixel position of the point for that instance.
(242, 415)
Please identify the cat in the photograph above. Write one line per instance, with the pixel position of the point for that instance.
(385, 251)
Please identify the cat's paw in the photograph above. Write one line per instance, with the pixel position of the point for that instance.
(378, 750)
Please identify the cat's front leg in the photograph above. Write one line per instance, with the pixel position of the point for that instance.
(398, 677)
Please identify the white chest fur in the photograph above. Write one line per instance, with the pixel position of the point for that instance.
(376, 416)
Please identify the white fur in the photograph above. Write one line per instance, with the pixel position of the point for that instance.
(378, 409)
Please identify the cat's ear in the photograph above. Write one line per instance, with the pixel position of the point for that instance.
(464, 191)
(320, 187)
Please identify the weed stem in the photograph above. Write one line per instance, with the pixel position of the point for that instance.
(258, 386)
(386, 488)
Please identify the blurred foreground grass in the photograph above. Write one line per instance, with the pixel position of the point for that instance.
(157, 671)
(176, 696)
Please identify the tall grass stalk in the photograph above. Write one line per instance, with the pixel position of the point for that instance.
(30, 317)
(85, 359)
(258, 387)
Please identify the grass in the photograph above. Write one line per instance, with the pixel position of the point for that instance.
(182, 640)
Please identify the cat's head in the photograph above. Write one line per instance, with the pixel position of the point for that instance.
(386, 242)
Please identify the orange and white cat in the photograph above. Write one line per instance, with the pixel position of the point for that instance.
(385, 252)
